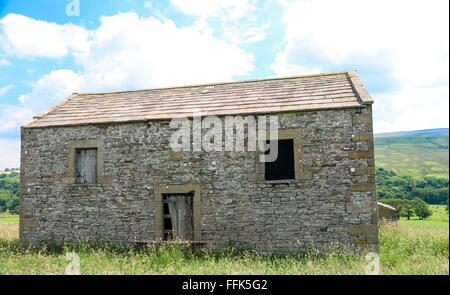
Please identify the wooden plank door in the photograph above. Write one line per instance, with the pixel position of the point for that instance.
(181, 215)
(86, 165)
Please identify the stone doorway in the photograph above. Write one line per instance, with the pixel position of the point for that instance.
(188, 222)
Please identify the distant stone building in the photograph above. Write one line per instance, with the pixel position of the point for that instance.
(387, 213)
(99, 167)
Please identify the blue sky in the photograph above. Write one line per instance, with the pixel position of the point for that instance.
(49, 49)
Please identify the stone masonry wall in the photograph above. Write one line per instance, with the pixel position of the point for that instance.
(335, 207)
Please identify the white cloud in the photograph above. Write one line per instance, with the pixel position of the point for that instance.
(256, 34)
(12, 117)
(401, 45)
(4, 62)
(235, 9)
(9, 153)
(234, 20)
(4, 89)
(22, 36)
(412, 108)
(133, 52)
(409, 36)
(51, 88)
(47, 91)
(283, 67)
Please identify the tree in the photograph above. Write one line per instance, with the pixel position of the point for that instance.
(421, 208)
(9, 194)
(430, 189)
(406, 209)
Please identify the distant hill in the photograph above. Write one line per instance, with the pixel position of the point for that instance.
(425, 132)
(418, 155)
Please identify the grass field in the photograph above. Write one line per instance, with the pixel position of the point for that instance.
(14, 219)
(404, 249)
(416, 156)
(7, 217)
(439, 219)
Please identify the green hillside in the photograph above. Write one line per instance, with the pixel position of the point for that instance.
(416, 156)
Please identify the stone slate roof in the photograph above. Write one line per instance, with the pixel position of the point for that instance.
(272, 95)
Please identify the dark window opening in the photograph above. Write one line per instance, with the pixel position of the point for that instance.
(168, 232)
(178, 216)
(283, 167)
(86, 165)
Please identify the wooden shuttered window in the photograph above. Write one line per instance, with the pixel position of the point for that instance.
(86, 165)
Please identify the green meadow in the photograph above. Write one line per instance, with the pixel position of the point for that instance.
(12, 219)
(439, 219)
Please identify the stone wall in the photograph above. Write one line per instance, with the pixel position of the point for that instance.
(335, 205)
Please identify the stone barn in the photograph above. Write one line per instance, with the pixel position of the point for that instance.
(99, 167)
(387, 213)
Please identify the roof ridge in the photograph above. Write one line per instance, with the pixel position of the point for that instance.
(218, 83)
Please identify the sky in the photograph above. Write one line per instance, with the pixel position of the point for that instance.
(52, 48)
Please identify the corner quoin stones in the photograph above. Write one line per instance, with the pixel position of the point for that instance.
(333, 202)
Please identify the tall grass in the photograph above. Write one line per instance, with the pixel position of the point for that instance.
(9, 231)
(406, 249)
(403, 250)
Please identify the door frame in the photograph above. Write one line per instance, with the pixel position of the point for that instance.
(160, 190)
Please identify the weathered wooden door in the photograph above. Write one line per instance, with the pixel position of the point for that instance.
(181, 215)
(86, 165)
